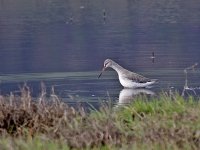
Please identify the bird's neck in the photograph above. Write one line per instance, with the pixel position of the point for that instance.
(117, 67)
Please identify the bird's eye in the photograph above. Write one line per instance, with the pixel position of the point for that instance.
(105, 64)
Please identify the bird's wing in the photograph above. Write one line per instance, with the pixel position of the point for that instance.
(137, 78)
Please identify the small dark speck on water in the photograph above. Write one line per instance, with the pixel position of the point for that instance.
(104, 15)
(153, 57)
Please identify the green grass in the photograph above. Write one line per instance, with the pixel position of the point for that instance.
(163, 122)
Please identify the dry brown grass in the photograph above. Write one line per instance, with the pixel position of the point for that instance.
(159, 123)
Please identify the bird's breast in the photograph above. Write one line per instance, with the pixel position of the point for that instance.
(126, 82)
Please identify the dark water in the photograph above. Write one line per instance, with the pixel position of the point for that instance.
(63, 43)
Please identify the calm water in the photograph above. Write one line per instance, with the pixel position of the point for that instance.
(63, 43)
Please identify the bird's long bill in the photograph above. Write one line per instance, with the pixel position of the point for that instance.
(101, 72)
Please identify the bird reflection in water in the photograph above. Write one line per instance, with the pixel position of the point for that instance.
(126, 95)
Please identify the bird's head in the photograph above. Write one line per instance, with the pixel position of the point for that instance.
(107, 63)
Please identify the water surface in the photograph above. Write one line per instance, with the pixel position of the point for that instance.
(64, 43)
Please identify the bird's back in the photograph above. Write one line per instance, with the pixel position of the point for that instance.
(134, 76)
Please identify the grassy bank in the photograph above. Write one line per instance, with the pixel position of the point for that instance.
(166, 122)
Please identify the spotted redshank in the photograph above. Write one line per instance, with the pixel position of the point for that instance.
(127, 78)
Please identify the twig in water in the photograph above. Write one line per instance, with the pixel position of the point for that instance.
(191, 67)
(186, 79)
